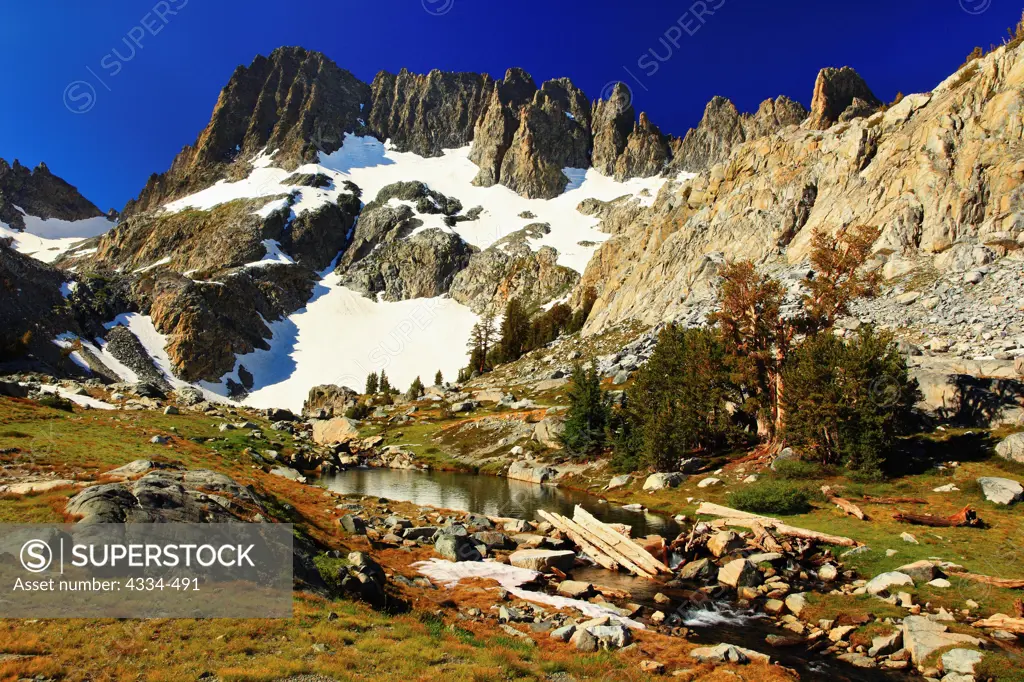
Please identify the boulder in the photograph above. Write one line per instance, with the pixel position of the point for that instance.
(960, 661)
(727, 653)
(456, 548)
(583, 641)
(921, 571)
(662, 481)
(699, 570)
(353, 524)
(922, 636)
(1001, 490)
(739, 573)
(335, 431)
(611, 636)
(883, 645)
(796, 603)
(1012, 448)
(543, 560)
(723, 542)
(524, 470)
(548, 431)
(618, 482)
(884, 581)
(575, 589)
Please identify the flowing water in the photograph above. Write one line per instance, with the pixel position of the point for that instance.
(710, 622)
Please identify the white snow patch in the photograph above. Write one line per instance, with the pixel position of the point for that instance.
(342, 336)
(273, 256)
(46, 240)
(163, 261)
(511, 578)
(83, 400)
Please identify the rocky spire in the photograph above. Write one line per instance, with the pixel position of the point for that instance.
(646, 152)
(723, 127)
(612, 123)
(835, 92)
(497, 126)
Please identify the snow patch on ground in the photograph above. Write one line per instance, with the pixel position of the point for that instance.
(46, 240)
(83, 400)
(273, 256)
(342, 336)
(511, 578)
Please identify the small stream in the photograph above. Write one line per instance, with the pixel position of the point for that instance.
(497, 496)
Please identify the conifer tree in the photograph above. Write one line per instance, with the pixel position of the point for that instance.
(372, 383)
(385, 384)
(587, 417)
(415, 389)
(515, 331)
(438, 379)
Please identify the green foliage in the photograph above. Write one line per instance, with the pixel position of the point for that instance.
(579, 317)
(438, 378)
(771, 497)
(625, 436)
(846, 402)
(57, 402)
(798, 469)
(515, 331)
(384, 385)
(678, 405)
(359, 411)
(587, 417)
(415, 389)
(372, 384)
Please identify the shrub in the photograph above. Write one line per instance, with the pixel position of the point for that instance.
(359, 411)
(587, 418)
(796, 469)
(847, 401)
(57, 402)
(771, 497)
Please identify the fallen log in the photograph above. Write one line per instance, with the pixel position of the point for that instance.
(561, 523)
(844, 504)
(765, 540)
(1005, 583)
(1001, 621)
(965, 517)
(622, 544)
(735, 517)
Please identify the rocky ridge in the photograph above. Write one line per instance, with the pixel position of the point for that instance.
(38, 192)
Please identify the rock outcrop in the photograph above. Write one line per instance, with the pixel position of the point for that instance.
(295, 101)
(938, 171)
(429, 113)
(509, 269)
(612, 123)
(645, 154)
(422, 265)
(722, 128)
(840, 94)
(498, 123)
(39, 193)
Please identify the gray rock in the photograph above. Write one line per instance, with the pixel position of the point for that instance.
(583, 641)
(739, 573)
(727, 653)
(353, 524)
(883, 582)
(663, 480)
(922, 636)
(543, 560)
(1012, 448)
(456, 548)
(1001, 490)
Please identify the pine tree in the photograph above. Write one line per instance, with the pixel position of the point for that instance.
(481, 340)
(385, 384)
(415, 390)
(587, 417)
(438, 379)
(372, 383)
(515, 331)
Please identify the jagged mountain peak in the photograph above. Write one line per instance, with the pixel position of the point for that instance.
(39, 193)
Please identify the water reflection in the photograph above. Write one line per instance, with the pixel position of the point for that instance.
(490, 495)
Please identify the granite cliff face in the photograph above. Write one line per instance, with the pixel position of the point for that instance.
(39, 193)
(939, 172)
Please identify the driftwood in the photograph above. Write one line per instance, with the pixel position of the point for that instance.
(1001, 621)
(965, 517)
(847, 506)
(765, 540)
(1005, 583)
(621, 544)
(894, 500)
(568, 527)
(735, 517)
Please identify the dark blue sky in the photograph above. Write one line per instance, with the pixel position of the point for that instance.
(147, 105)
